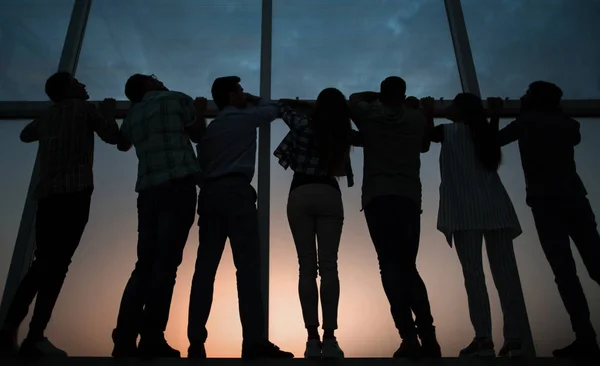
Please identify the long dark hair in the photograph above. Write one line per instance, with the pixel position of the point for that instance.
(331, 124)
(469, 109)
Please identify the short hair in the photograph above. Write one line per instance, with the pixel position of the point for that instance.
(412, 102)
(58, 85)
(135, 87)
(221, 89)
(393, 87)
(545, 94)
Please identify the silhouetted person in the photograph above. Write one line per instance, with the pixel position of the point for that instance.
(227, 209)
(394, 138)
(159, 125)
(317, 149)
(412, 102)
(474, 205)
(558, 201)
(65, 133)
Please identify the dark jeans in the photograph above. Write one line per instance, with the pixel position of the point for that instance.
(165, 215)
(227, 209)
(395, 226)
(60, 222)
(556, 220)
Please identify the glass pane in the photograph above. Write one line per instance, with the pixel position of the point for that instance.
(366, 328)
(86, 311)
(354, 44)
(517, 42)
(17, 160)
(186, 43)
(32, 35)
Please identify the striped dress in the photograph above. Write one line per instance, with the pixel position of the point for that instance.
(471, 197)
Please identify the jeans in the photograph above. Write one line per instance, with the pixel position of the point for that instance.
(60, 222)
(395, 226)
(227, 209)
(556, 221)
(165, 215)
(316, 216)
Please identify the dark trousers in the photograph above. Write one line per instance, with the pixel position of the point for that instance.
(60, 222)
(556, 221)
(395, 226)
(165, 215)
(227, 209)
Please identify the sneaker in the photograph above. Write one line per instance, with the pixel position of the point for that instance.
(156, 349)
(511, 349)
(331, 349)
(579, 349)
(313, 349)
(263, 349)
(125, 344)
(480, 347)
(125, 350)
(8, 344)
(408, 349)
(40, 348)
(431, 349)
(197, 351)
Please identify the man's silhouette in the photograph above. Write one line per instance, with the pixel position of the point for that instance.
(394, 137)
(159, 125)
(558, 200)
(227, 209)
(65, 133)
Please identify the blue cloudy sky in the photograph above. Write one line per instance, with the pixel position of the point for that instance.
(348, 44)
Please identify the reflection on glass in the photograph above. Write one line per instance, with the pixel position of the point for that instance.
(32, 35)
(517, 42)
(353, 45)
(186, 43)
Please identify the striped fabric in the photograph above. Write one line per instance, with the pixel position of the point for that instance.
(503, 265)
(471, 197)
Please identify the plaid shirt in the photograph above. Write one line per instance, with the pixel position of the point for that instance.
(156, 128)
(298, 149)
(66, 146)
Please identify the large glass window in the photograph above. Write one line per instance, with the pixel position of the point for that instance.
(87, 310)
(517, 42)
(366, 328)
(186, 43)
(32, 35)
(354, 44)
(16, 163)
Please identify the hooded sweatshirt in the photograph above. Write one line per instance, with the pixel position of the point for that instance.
(394, 139)
(547, 143)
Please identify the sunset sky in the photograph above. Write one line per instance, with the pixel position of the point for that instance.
(348, 44)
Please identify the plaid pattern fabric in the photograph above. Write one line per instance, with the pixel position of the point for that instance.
(156, 128)
(298, 149)
(66, 146)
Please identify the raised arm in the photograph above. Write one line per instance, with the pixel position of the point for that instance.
(573, 132)
(124, 144)
(104, 122)
(193, 112)
(30, 132)
(360, 107)
(510, 133)
(293, 119)
(263, 111)
(428, 104)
